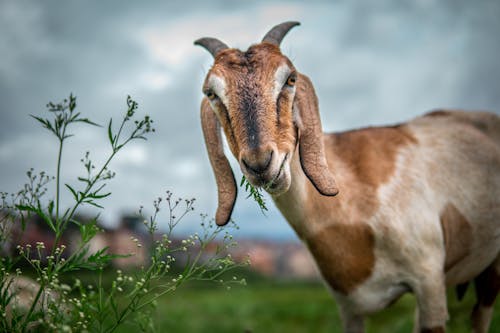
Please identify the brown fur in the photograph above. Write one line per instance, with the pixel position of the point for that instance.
(249, 75)
(371, 152)
(343, 265)
(438, 113)
(225, 122)
(367, 158)
(311, 147)
(223, 173)
(257, 124)
(370, 155)
(457, 234)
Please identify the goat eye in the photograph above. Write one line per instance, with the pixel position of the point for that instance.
(211, 95)
(291, 80)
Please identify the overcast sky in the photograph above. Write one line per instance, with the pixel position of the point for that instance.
(372, 62)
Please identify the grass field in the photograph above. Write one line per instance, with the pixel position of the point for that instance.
(285, 306)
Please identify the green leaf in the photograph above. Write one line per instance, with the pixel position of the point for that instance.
(26, 208)
(39, 211)
(72, 102)
(87, 231)
(96, 260)
(46, 218)
(85, 180)
(98, 196)
(114, 306)
(75, 222)
(110, 132)
(87, 121)
(66, 213)
(254, 193)
(74, 263)
(59, 121)
(75, 195)
(81, 195)
(90, 202)
(45, 123)
(74, 117)
(51, 207)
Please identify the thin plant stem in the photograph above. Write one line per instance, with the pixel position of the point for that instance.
(79, 202)
(32, 308)
(58, 177)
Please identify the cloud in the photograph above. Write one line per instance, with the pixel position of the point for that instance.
(134, 155)
(371, 63)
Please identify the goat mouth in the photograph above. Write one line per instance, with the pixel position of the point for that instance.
(274, 183)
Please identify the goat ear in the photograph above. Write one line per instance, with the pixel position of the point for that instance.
(226, 184)
(311, 147)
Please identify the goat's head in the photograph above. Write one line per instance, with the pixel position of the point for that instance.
(266, 109)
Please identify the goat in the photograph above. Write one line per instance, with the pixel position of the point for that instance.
(419, 202)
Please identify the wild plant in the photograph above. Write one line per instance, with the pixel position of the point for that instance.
(40, 284)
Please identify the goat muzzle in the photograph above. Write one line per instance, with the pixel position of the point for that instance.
(259, 164)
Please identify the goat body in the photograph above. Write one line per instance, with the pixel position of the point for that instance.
(418, 208)
(384, 210)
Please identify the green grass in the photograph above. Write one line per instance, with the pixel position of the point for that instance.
(285, 306)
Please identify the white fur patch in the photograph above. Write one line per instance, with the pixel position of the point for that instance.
(280, 77)
(218, 85)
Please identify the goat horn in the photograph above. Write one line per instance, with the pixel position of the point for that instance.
(212, 45)
(276, 34)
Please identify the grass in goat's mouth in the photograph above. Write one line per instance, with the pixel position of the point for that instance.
(255, 193)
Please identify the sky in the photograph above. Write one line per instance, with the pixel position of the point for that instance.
(372, 63)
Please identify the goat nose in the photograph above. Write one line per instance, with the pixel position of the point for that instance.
(258, 163)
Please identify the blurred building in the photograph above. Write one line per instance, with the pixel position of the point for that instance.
(288, 260)
(279, 259)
